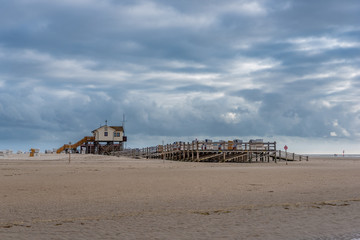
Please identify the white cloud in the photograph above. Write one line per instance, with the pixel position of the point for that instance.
(318, 104)
(335, 123)
(355, 108)
(318, 75)
(231, 117)
(314, 45)
(60, 94)
(344, 71)
(182, 64)
(333, 134)
(340, 129)
(62, 68)
(339, 86)
(103, 95)
(245, 66)
(241, 73)
(245, 8)
(345, 132)
(151, 15)
(181, 77)
(349, 72)
(83, 70)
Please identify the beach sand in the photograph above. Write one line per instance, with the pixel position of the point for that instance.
(104, 197)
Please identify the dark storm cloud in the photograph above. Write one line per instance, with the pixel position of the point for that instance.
(176, 69)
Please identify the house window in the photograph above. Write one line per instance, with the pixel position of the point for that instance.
(114, 134)
(118, 134)
(105, 134)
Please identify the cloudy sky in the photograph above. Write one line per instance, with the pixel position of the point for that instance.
(281, 70)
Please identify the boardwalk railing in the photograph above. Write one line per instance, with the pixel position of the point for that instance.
(287, 156)
(208, 151)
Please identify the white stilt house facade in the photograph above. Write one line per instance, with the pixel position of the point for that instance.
(109, 138)
(109, 134)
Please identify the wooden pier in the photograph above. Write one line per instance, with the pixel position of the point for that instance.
(208, 151)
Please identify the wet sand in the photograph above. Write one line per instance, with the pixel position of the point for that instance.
(102, 197)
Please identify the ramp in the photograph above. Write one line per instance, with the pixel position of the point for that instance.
(287, 156)
(75, 145)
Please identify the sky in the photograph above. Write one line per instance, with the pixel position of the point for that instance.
(279, 70)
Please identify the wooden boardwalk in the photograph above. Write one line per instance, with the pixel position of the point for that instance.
(208, 151)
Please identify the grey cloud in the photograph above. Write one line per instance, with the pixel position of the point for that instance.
(184, 68)
(195, 88)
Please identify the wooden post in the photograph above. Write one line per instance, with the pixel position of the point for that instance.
(173, 152)
(293, 156)
(192, 151)
(184, 152)
(279, 155)
(164, 151)
(188, 150)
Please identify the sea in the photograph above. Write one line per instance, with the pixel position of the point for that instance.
(334, 156)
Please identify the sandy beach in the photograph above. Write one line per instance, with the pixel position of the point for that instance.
(104, 197)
